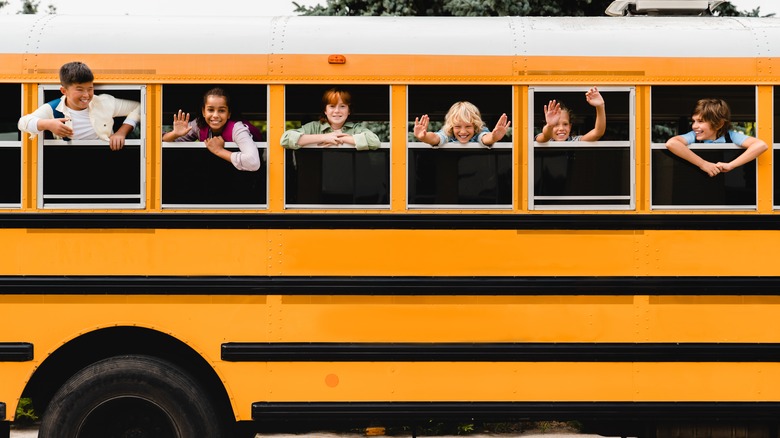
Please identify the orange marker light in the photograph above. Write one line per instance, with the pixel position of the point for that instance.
(337, 59)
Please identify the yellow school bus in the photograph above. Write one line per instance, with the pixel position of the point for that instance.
(159, 289)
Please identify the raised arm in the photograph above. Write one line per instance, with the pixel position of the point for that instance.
(552, 114)
(181, 126)
(498, 132)
(421, 131)
(595, 99)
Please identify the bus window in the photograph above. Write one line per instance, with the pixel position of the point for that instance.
(456, 175)
(193, 177)
(319, 176)
(776, 146)
(10, 148)
(575, 174)
(86, 173)
(678, 184)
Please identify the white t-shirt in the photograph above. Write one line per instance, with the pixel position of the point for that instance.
(81, 124)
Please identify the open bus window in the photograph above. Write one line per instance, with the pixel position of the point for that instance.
(456, 175)
(582, 175)
(193, 177)
(318, 176)
(10, 147)
(87, 173)
(678, 184)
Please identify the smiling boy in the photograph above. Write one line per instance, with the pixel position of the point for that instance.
(711, 124)
(80, 114)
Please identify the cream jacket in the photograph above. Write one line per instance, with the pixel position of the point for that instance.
(102, 110)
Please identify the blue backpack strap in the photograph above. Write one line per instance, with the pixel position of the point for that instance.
(53, 104)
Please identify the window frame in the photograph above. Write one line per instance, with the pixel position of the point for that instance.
(262, 147)
(411, 145)
(630, 143)
(384, 145)
(140, 142)
(706, 147)
(16, 144)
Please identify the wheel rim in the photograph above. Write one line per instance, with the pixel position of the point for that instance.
(128, 417)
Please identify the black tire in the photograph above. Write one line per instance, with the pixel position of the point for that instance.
(130, 397)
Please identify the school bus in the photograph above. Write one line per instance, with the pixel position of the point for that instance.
(159, 290)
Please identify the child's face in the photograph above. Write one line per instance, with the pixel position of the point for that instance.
(78, 96)
(216, 112)
(337, 113)
(562, 129)
(462, 131)
(703, 130)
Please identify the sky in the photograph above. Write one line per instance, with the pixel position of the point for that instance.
(241, 7)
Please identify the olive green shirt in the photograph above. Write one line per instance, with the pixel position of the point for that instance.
(364, 139)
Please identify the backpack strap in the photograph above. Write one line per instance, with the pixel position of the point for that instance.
(256, 134)
(227, 132)
(54, 104)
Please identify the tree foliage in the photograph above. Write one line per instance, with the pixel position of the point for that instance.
(30, 7)
(482, 8)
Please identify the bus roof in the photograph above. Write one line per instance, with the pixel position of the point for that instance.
(494, 36)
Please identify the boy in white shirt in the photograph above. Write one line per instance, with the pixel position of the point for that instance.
(80, 114)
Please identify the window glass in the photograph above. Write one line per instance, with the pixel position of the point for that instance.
(570, 173)
(459, 174)
(678, 184)
(86, 173)
(194, 177)
(10, 147)
(337, 175)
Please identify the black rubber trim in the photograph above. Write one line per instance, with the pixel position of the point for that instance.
(392, 221)
(499, 352)
(387, 285)
(16, 351)
(2, 411)
(623, 411)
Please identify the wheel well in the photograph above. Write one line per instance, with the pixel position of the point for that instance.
(100, 344)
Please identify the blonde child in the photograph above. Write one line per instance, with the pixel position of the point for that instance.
(558, 120)
(463, 124)
(711, 124)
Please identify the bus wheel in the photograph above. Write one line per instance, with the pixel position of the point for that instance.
(130, 396)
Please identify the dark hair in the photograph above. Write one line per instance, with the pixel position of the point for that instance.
(716, 112)
(331, 97)
(566, 109)
(216, 91)
(75, 73)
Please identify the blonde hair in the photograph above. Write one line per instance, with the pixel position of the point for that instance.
(465, 112)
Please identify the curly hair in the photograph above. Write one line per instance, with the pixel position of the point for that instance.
(465, 112)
